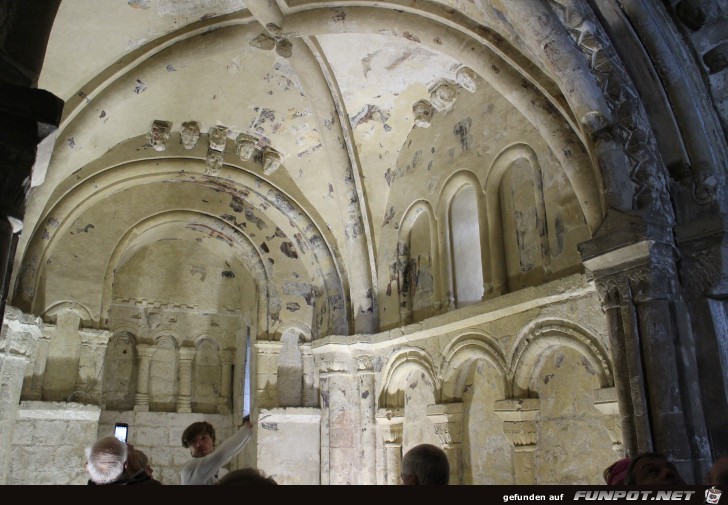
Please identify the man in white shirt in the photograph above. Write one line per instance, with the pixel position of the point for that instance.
(205, 467)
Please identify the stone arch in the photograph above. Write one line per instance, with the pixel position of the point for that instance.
(50, 314)
(135, 237)
(496, 240)
(461, 354)
(120, 371)
(398, 368)
(535, 341)
(410, 266)
(296, 368)
(451, 187)
(100, 183)
(206, 373)
(486, 53)
(474, 372)
(163, 370)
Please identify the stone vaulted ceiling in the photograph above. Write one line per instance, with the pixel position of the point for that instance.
(324, 93)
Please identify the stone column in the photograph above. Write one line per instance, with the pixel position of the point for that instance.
(226, 381)
(367, 393)
(605, 401)
(339, 419)
(184, 398)
(390, 424)
(33, 383)
(310, 389)
(520, 426)
(325, 460)
(18, 342)
(144, 356)
(704, 274)
(656, 373)
(448, 421)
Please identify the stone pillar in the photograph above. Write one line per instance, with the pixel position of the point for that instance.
(184, 398)
(656, 372)
(310, 389)
(339, 420)
(325, 461)
(704, 274)
(520, 426)
(33, 383)
(141, 400)
(448, 421)
(605, 401)
(226, 381)
(18, 342)
(390, 424)
(367, 410)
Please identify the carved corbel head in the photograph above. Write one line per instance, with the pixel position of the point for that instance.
(245, 146)
(467, 79)
(159, 134)
(422, 109)
(214, 162)
(190, 134)
(271, 160)
(218, 138)
(443, 95)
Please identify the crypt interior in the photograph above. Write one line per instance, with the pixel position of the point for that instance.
(497, 226)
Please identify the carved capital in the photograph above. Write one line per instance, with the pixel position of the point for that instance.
(519, 421)
(390, 424)
(521, 434)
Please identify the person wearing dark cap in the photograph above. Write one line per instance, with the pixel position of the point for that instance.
(205, 467)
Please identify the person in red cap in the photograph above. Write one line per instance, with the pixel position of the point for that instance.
(614, 474)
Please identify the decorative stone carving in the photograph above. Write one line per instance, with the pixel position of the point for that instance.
(263, 41)
(519, 421)
(467, 79)
(218, 138)
(284, 48)
(271, 160)
(422, 109)
(159, 134)
(245, 146)
(443, 95)
(214, 162)
(190, 134)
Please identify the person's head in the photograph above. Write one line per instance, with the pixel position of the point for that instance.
(614, 473)
(199, 437)
(137, 461)
(718, 474)
(652, 469)
(246, 477)
(425, 464)
(106, 460)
